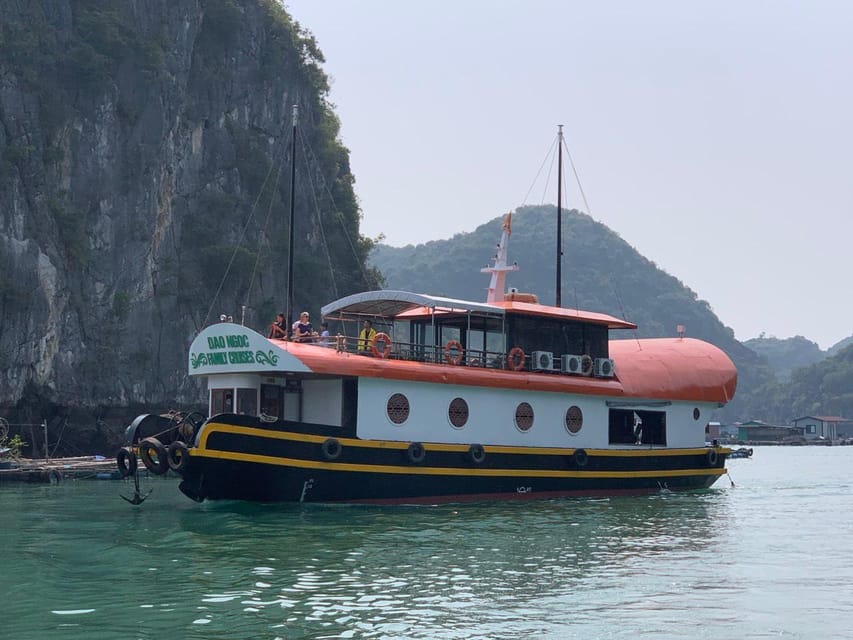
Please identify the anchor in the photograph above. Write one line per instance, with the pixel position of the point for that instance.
(137, 498)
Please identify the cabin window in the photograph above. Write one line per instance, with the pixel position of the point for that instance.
(484, 342)
(398, 408)
(221, 401)
(272, 400)
(474, 346)
(574, 419)
(402, 338)
(524, 416)
(449, 333)
(558, 336)
(247, 402)
(457, 413)
(422, 336)
(633, 426)
(696, 413)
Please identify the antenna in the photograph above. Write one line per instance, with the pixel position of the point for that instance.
(559, 297)
(292, 217)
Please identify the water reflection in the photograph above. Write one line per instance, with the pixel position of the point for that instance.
(237, 570)
(412, 570)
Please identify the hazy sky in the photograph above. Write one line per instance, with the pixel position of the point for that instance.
(714, 137)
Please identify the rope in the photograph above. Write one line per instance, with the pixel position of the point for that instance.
(320, 221)
(538, 173)
(369, 281)
(262, 233)
(240, 241)
(577, 177)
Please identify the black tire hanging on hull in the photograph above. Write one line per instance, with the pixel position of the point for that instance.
(126, 462)
(178, 456)
(416, 453)
(476, 453)
(154, 456)
(331, 448)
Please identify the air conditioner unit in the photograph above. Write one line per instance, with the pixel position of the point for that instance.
(571, 364)
(603, 368)
(542, 361)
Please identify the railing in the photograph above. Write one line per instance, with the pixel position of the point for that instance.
(451, 353)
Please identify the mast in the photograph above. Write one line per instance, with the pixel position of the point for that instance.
(558, 303)
(289, 313)
(497, 284)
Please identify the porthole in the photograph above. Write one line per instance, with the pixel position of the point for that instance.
(458, 412)
(574, 419)
(524, 416)
(398, 408)
(696, 413)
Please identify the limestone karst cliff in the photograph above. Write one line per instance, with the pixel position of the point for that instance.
(144, 147)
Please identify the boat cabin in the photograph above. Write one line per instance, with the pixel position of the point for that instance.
(514, 334)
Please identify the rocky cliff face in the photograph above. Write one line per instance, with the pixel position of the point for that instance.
(144, 154)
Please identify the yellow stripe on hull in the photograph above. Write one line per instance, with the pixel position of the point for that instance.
(448, 471)
(201, 450)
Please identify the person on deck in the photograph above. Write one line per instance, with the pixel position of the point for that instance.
(324, 335)
(277, 328)
(304, 332)
(366, 336)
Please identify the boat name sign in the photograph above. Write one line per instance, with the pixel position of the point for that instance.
(227, 347)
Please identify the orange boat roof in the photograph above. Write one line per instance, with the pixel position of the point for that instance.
(542, 310)
(675, 369)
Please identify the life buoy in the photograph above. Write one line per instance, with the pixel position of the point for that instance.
(711, 457)
(516, 358)
(386, 350)
(580, 458)
(476, 453)
(126, 462)
(453, 352)
(178, 456)
(331, 448)
(154, 456)
(586, 365)
(416, 453)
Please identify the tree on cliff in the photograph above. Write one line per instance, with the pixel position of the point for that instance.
(144, 156)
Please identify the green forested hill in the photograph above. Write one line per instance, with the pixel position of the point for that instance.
(601, 272)
(823, 388)
(786, 355)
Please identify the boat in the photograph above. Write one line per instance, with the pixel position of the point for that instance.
(740, 452)
(449, 401)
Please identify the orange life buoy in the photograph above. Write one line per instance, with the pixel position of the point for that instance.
(453, 346)
(516, 359)
(384, 339)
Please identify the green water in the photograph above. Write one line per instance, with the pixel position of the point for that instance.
(771, 557)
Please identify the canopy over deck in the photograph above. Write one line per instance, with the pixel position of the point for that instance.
(389, 304)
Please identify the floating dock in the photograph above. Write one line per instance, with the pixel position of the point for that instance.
(55, 470)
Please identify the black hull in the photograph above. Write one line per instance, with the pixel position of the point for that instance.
(265, 464)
